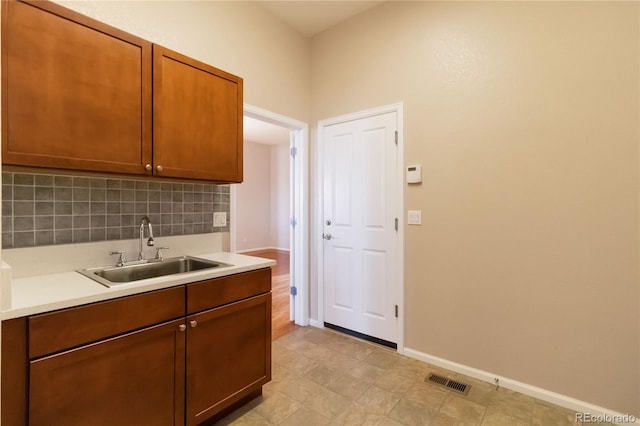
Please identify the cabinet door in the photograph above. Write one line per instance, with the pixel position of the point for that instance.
(197, 119)
(76, 93)
(14, 372)
(134, 379)
(228, 355)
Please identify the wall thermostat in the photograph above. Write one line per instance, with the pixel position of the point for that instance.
(414, 173)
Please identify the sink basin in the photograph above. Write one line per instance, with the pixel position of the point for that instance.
(115, 275)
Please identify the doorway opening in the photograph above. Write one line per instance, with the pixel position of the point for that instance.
(269, 213)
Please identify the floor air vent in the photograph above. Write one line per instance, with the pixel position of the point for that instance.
(448, 383)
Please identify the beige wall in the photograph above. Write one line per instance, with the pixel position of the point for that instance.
(262, 200)
(280, 194)
(237, 37)
(253, 199)
(525, 118)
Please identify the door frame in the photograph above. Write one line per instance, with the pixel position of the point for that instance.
(299, 193)
(317, 227)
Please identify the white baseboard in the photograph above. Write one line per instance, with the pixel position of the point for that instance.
(281, 249)
(315, 323)
(261, 248)
(538, 393)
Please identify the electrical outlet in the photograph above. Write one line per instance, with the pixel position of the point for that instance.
(219, 219)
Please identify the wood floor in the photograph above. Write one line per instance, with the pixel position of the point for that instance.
(281, 324)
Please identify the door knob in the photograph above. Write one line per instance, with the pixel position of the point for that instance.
(328, 222)
(148, 167)
(327, 236)
(159, 168)
(193, 324)
(182, 327)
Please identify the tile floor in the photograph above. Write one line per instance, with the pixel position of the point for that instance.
(321, 377)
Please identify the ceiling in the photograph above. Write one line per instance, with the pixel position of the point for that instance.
(308, 18)
(312, 17)
(265, 133)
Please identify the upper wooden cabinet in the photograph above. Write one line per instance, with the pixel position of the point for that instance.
(197, 119)
(76, 93)
(79, 94)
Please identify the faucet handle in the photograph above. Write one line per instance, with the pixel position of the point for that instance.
(122, 259)
(159, 254)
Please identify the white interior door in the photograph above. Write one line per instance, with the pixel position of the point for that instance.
(360, 267)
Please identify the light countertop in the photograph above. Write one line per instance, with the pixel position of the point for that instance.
(44, 293)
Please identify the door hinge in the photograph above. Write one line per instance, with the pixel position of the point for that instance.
(396, 224)
(396, 137)
(396, 311)
(293, 222)
(294, 291)
(294, 152)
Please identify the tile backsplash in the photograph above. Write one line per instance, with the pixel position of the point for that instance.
(45, 209)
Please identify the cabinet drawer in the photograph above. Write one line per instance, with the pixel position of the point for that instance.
(55, 331)
(220, 291)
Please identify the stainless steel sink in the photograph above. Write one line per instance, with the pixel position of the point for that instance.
(116, 275)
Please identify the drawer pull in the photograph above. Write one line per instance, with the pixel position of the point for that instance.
(194, 324)
(182, 327)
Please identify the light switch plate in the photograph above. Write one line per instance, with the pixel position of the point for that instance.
(219, 219)
(414, 217)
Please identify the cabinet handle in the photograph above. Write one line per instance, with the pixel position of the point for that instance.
(159, 168)
(182, 327)
(193, 324)
(148, 167)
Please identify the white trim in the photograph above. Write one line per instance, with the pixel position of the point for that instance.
(273, 118)
(398, 108)
(524, 388)
(400, 189)
(300, 261)
(317, 226)
(301, 230)
(293, 196)
(261, 248)
(316, 323)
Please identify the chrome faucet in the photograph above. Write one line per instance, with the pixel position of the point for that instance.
(145, 221)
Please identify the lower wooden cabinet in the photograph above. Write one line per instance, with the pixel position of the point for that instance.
(177, 370)
(134, 379)
(236, 336)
